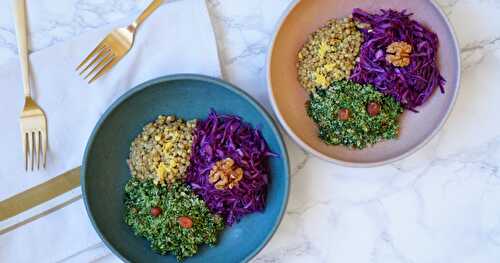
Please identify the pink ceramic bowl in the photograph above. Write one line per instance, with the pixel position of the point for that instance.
(288, 97)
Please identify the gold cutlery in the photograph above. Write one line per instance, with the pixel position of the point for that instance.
(37, 195)
(113, 47)
(33, 121)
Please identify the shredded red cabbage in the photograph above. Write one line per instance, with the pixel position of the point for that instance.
(411, 85)
(227, 136)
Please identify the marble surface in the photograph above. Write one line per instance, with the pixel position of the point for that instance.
(439, 205)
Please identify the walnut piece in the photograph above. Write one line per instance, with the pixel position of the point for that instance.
(225, 174)
(398, 54)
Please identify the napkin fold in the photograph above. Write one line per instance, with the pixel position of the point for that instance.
(177, 38)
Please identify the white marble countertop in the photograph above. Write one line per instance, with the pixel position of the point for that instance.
(439, 205)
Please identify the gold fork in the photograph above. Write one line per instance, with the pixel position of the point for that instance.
(114, 46)
(33, 121)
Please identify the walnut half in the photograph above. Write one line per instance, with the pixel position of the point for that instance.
(398, 54)
(225, 174)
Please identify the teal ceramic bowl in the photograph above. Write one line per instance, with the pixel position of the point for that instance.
(105, 172)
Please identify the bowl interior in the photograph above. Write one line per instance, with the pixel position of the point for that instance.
(105, 171)
(288, 96)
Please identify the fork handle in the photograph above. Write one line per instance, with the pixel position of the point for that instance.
(22, 43)
(147, 12)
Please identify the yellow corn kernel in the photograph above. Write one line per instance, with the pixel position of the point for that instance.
(161, 171)
(323, 48)
(329, 67)
(320, 79)
(167, 146)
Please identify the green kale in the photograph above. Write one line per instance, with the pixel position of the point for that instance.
(164, 231)
(360, 129)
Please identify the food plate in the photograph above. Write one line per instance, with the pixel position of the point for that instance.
(288, 97)
(105, 170)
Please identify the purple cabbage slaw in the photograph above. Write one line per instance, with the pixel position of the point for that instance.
(227, 136)
(412, 85)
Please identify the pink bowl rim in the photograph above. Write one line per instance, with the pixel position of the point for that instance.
(324, 157)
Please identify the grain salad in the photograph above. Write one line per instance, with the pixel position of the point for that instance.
(161, 151)
(361, 72)
(329, 54)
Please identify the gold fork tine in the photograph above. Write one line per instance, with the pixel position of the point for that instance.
(107, 67)
(25, 150)
(91, 55)
(95, 59)
(101, 63)
(32, 149)
(33, 154)
(101, 67)
(38, 149)
(35, 148)
(44, 147)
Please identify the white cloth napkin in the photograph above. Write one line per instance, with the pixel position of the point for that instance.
(177, 38)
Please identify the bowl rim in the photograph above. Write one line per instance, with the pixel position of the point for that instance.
(307, 147)
(197, 77)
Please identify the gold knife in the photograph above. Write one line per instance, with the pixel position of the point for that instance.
(40, 194)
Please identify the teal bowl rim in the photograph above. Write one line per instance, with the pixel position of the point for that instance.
(199, 77)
